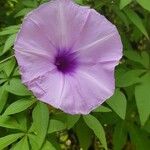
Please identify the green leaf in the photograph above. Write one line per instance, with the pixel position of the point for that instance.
(79, 2)
(138, 138)
(56, 125)
(68, 120)
(13, 27)
(9, 66)
(9, 42)
(118, 103)
(145, 59)
(16, 72)
(124, 3)
(16, 87)
(71, 120)
(121, 15)
(8, 32)
(40, 121)
(22, 144)
(146, 127)
(22, 120)
(133, 55)
(48, 146)
(145, 4)
(129, 78)
(23, 12)
(142, 96)
(84, 135)
(3, 97)
(30, 3)
(53, 138)
(19, 106)
(97, 128)
(102, 109)
(9, 122)
(135, 19)
(33, 139)
(9, 139)
(121, 134)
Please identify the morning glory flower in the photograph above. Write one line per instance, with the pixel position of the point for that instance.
(67, 56)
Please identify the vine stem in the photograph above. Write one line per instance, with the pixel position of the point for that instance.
(4, 60)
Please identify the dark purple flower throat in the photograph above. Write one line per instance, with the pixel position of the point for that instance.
(66, 62)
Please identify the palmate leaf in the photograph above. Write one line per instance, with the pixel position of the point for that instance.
(142, 96)
(119, 136)
(84, 134)
(23, 12)
(68, 120)
(139, 139)
(3, 97)
(124, 3)
(146, 127)
(9, 42)
(145, 4)
(118, 103)
(145, 59)
(9, 67)
(33, 140)
(71, 120)
(129, 78)
(135, 19)
(79, 2)
(62, 121)
(142, 58)
(9, 139)
(48, 146)
(16, 87)
(9, 30)
(11, 27)
(121, 15)
(97, 128)
(22, 144)
(133, 55)
(56, 125)
(102, 109)
(10, 122)
(22, 120)
(40, 122)
(19, 106)
(29, 3)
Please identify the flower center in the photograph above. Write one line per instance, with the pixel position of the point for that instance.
(66, 62)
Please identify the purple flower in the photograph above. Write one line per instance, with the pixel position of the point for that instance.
(67, 55)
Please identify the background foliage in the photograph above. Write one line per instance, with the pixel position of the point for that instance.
(123, 122)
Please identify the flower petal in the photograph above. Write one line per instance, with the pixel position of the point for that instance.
(86, 90)
(48, 88)
(32, 66)
(61, 21)
(75, 94)
(99, 42)
(32, 39)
